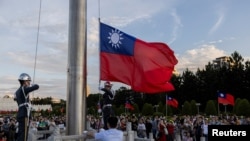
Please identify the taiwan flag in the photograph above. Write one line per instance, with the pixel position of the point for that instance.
(146, 67)
(171, 102)
(225, 98)
(128, 105)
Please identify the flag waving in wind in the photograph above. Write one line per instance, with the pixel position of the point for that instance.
(128, 105)
(172, 102)
(146, 67)
(225, 98)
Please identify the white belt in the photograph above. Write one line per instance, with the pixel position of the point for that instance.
(23, 104)
(108, 105)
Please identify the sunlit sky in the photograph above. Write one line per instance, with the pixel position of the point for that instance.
(197, 31)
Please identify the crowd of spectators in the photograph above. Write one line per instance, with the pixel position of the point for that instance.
(189, 128)
(9, 126)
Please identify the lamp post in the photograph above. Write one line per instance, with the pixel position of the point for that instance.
(198, 107)
(156, 107)
(225, 105)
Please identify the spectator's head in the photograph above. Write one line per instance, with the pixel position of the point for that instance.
(112, 122)
(133, 118)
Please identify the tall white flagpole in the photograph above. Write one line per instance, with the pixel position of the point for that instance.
(77, 69)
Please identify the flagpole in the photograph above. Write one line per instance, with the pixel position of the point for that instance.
(99, 88)
(99, 20)
(225, 108)
(76, 72)
(166, 105)
(218, 107)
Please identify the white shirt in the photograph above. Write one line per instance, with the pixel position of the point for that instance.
(205, 129)
(110, 135)
(141, 126)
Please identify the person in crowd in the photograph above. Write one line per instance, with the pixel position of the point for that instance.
(12, 130)
(148, 125)
(134, 123)
(155, 126)
(170, 127)
(54, 128)
(98, 123)
(204, 128)
(33, 125)
(122, 125)
(1, 130)
(112, 134)
(107, 101)
(187, 136)
(24, 106)
(141, 129)
(197, 128)
(6, 129)
(92, 123)
(161, 135)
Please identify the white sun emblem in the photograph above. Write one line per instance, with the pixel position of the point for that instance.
(115, 38)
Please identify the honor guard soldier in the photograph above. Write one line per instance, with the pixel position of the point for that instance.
(108, 98)
(24, 106)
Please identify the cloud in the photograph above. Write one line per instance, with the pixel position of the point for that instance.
(220, 19)
(214, 42)
(176, 27)
(198, 58)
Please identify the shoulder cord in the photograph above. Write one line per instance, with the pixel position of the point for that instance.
(25, 96)
(26, 101)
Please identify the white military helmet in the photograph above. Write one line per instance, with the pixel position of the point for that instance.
(108, 84)
(24, 76)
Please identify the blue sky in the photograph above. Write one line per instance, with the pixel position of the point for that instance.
(197, 31)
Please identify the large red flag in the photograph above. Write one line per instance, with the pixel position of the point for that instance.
(225, 98)
(146, 67)
(172, 102)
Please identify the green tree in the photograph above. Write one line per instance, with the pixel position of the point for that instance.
(243, 108)
(210, 108)
(147, 109)
(236, 105)
(169, 110)
(120, 110)
(194, 109)
(186, 109)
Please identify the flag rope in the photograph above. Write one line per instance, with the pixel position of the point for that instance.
(37, 41)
